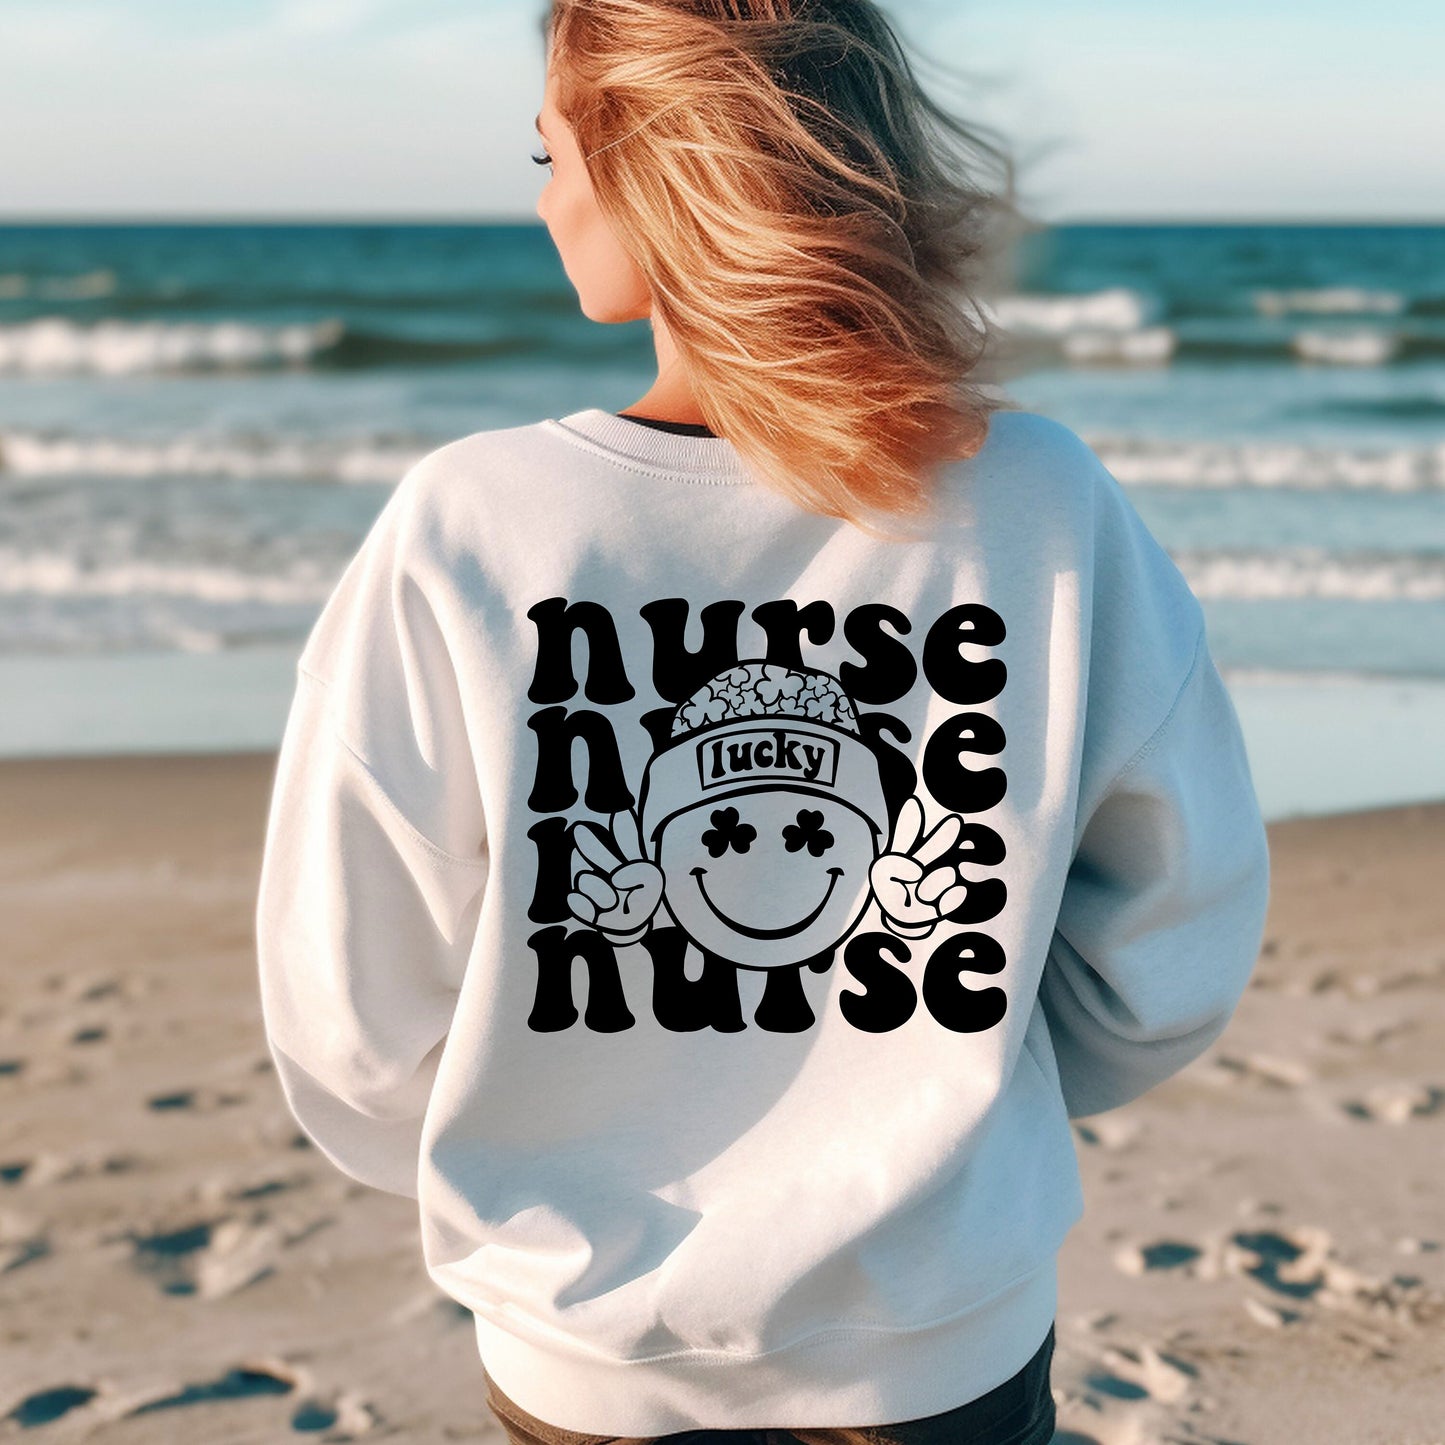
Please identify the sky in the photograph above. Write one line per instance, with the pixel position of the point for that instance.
(1117, 109)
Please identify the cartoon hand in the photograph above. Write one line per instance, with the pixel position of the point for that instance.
(614, 887)
(914, 888)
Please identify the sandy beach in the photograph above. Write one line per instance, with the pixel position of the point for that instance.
(1262, 1261)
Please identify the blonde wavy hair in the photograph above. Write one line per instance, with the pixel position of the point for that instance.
(773, 169)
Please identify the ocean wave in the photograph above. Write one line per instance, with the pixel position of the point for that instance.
(1330, 301)
(87, 286)
(129, 348)
(1123, 326)
(1347, 348)
(1310, 572)
(382, 461)
(25, 454)
(56, 575)
(1116, 310)
(1151, 346)
(1082, 337)
(52, 345)
(1358, 346)
(1082, 334)
(52, 602)
(1271, 464)
(1255, 575)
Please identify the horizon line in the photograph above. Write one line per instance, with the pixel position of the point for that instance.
(443, 218)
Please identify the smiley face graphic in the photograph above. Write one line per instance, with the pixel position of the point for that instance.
(762, 826)
(767, 877)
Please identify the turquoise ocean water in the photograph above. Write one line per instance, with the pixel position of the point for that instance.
(198, 424)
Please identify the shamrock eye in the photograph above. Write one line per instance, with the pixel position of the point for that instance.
(727, 832)
(808, 832)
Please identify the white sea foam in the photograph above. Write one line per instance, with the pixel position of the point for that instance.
(53, 574)
(1132, 460)
(29, 454)
(86, 286)
(1364, 347)
(1091, 328)
(1253, 575)
(1329, 301)
(126, 348)
(1117, 310)
(1151, 346)
(1311, 572)
(1271, 464)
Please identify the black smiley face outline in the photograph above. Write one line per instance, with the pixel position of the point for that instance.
(747, 929)
(804, 832)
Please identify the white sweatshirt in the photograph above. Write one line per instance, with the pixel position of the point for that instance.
(712, 915)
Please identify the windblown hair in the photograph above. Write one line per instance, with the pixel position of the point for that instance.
(808, 239)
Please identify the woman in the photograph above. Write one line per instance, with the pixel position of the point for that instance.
(717, 847)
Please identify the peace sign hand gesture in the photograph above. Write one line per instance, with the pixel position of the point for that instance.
(614, 886)
(914, 885)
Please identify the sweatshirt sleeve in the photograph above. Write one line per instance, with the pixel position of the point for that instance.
(1164, 905)
(374, 865)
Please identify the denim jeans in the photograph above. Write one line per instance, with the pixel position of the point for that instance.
(1018, 1412)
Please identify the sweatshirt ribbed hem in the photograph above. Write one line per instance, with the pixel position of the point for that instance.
(635, 445)
(833, 1379)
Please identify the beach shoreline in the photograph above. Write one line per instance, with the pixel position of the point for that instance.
(1262, 1257)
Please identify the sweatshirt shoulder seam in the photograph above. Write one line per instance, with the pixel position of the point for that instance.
(1152, 741)
(436, 850)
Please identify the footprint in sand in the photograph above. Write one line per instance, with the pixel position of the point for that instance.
(1138, 1259)
(1127, 1395)
(210, 1258)
(57, 1167)
(46, 1406)
(1273, 1317)
(277, 1131)
(17, 1253)
(1368, 1035)
(1149, 1372)
(104, 988)
(1300, 1265)
(201, 1100)
(1396, 1103)
(242, 1383)
(261, 1189)
(1353, 985)
(1110, 1131)
(165, 1256)
(1256, 1070)
(1290, 1263)
(344, 1416)
(213, 1258)
(90, 988)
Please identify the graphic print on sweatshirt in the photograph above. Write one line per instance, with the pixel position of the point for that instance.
(771, 822)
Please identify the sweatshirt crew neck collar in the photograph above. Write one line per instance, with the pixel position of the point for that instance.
(641, 447)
